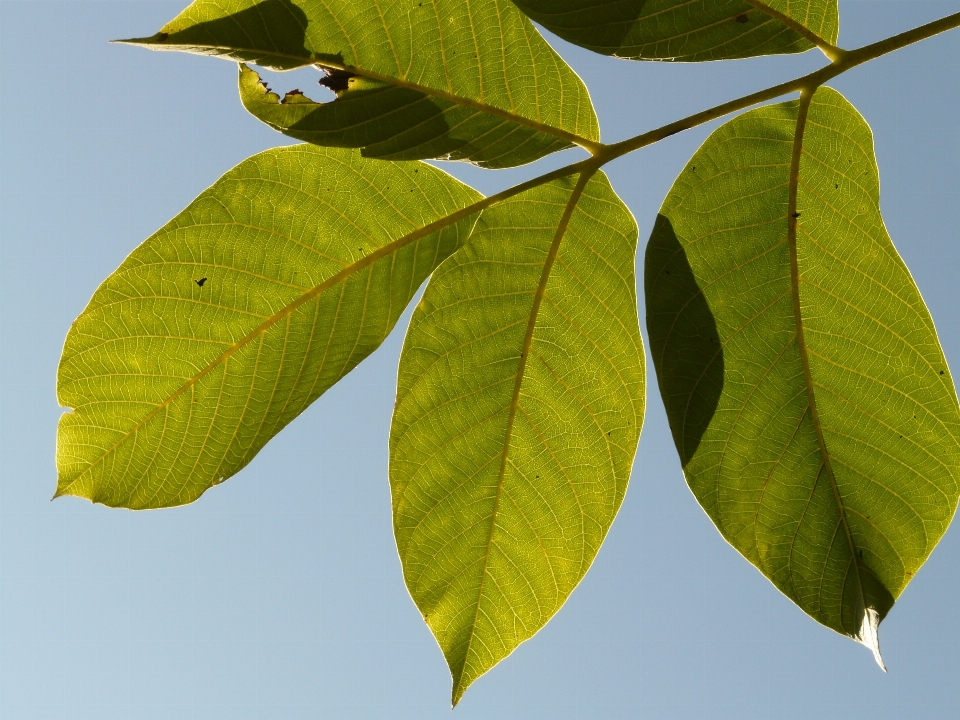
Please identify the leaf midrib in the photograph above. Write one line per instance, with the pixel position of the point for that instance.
(571, 205)
(272, 320)
(591, 146)
(829, 49)
(806, 98)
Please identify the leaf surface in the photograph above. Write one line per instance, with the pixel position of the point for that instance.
(436, 79)
(396, 123)
(519, 406)
(228, 322)
(809, 398)
(685, 30)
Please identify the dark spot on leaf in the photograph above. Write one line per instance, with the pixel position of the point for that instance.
(200, 282)
(795, 215)
(836, 186)
(162, 36)
(941, 372)
(336, 80)
(861, 554)
(742, 19)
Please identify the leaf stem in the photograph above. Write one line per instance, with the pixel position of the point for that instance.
(833, 53)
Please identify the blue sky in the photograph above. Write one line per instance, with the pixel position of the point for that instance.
(279, 594)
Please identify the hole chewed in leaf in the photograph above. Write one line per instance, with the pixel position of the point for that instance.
(336, 80)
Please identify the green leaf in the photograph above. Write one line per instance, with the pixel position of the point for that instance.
(395, 123)
(228, 322)
(808, 396)
(519, 406)
(435, 79)
(682, 30)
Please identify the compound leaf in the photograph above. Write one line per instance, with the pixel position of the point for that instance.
(436, 79)
(229, 321)
(682, 30)
(809, 398)
(519, 406)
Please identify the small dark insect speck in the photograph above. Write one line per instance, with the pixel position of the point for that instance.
(861, 554)
(836, 186)
(941, 372)
(667, 272)
(742, 19)
(200, 282)
(795, 215)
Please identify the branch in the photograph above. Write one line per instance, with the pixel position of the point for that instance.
(807, 82)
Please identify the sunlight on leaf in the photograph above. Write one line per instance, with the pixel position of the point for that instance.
(229, 321)
(443, 78)
(519, 406)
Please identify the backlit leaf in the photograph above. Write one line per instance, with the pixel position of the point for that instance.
(519, 406)
(435, 79)
(686, 30)
(229, 321)
(811, 404)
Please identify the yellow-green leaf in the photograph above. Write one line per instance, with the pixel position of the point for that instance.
(519, 405)
(689, 30)
(809, 398)
(228, 322)
(435, 79)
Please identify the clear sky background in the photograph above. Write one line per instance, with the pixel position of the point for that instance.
(279, 593)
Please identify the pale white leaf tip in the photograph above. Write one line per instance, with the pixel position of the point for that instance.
(870, 635)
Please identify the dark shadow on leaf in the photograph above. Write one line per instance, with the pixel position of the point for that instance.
(272, 25)
(683, 339)
(396, 123)
(580, 25)
(389, 122)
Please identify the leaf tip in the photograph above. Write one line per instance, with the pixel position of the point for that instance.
(461, 681)
(155, 39)
(870, 635)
